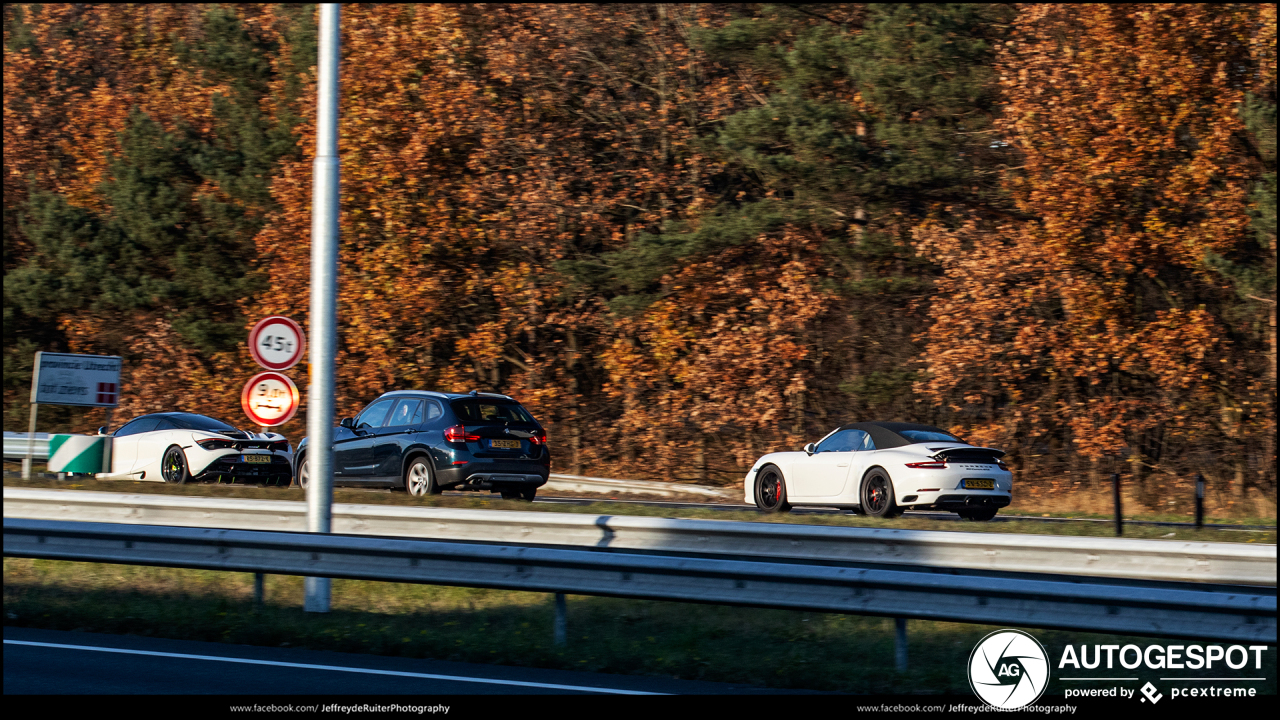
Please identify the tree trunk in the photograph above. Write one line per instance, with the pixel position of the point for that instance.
(702, 457)
(575, 426)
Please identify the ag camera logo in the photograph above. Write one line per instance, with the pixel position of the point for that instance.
(1009, 669)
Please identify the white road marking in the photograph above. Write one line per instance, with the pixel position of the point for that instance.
(336, 668)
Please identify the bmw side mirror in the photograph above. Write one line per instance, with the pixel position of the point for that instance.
(810, 448)
(348, 423)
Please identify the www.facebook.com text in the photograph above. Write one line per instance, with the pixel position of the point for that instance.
(348, 709)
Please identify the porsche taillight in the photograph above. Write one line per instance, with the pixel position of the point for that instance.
(929, 465)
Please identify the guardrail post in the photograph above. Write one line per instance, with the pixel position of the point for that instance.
(1199, 501)
(900, 643)
(258, 591)
(1115, 494)
(31, 430)
(560, 621)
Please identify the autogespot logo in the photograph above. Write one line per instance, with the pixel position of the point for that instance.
(1009, 669)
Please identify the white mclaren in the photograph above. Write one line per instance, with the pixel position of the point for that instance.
(179, 447)
(883, 469)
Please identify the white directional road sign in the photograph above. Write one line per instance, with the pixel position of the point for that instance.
(66, 379)
(277, 343)
(269, 399)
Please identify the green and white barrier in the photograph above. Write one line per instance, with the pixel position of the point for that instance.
(79, 453)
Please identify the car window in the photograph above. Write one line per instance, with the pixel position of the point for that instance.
(165, 424)
(141, 425)
(199, 422)
(868, 444)
(407, 412)
(923, 436)
(475, 411)
(375, 413)
(843, 441)
(434, 410)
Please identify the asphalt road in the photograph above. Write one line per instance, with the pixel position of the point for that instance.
(51, 662)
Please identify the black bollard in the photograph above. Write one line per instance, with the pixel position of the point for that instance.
(1199, 501)
(1115, 493)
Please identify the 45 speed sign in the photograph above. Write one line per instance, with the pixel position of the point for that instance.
(269, 399)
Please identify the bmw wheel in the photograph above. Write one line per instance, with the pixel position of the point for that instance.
(174, 466)
(418, 479)
(771, 490)
(877, 495)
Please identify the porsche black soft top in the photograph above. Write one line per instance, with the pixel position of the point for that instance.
(886, 434)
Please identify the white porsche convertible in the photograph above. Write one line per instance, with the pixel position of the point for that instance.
(177, 447)
(882, 469)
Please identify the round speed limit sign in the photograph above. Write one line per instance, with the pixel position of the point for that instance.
(269, 399)
(277, 343)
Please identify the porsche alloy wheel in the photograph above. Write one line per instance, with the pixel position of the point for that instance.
(877, 495)
(771, 491)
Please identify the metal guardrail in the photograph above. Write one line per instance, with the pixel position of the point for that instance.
(578, 483)
(15, 446)
(1150, 560)
(1234, 616)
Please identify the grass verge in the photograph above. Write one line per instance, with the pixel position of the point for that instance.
(605, 507)
(768, 648)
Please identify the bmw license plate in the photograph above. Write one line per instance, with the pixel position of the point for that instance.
(979, 484)
(505, 444)
(257, 458)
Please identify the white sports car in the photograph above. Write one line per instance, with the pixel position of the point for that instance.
(883, 468)
(175, 447)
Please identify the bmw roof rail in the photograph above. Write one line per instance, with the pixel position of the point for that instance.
(477, 393)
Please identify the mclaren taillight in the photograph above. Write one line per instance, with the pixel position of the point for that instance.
(458, 433)
(281, 445)
(216, 444)
(929, 465)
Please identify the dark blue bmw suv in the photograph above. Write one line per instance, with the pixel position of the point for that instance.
(426, 442)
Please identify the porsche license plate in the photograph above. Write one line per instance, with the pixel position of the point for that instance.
(979, 484)
(257, 458)
(505, 444)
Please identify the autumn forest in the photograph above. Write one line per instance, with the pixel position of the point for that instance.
(682, 235)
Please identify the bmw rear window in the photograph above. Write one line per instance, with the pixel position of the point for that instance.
(484, 411)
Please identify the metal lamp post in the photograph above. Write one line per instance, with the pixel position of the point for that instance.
(324, 290)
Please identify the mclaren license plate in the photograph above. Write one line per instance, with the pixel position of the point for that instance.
(979, 484)
(505, 444)
(257, 459)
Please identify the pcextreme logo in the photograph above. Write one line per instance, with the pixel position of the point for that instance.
(1009, 669)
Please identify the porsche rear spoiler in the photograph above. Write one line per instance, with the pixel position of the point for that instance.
(969, 454)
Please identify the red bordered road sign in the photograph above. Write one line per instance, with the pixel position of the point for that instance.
(269, 399)
(277, 343)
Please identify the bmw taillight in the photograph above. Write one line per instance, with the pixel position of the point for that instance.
(539, 438)
(458, 433)
(216, 444)
(929, 465)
